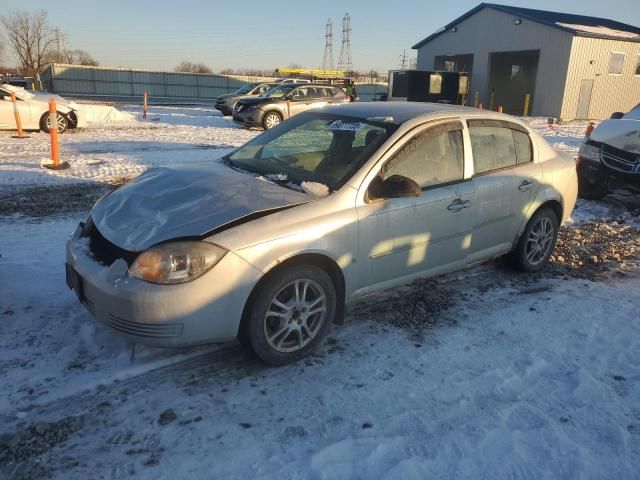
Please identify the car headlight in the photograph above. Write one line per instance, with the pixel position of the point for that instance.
(589, 152)
(176, 262)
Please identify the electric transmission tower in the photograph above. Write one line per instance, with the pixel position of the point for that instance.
(344, 63)
(327, 60)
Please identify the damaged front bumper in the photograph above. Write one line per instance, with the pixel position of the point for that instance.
(248, 118)
(206, 310)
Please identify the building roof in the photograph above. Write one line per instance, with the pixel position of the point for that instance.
(579, 25)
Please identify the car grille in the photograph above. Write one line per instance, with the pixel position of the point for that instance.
(102, 249)
(620, 160)
(149, 330)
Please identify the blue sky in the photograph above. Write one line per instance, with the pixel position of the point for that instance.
(267, 34)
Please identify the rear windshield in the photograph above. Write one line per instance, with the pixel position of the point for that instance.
(246, 88)
(313, 147)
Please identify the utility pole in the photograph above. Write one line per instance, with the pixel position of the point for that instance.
(327, 60)
(344, 63)
(60, 46)
(403, 60)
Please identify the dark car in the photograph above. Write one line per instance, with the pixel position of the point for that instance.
(285, 101)
(225, 103)
(610, 156)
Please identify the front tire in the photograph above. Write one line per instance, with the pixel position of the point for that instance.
(271, 120)
(290, 314)
(63, 122)
(537, 241)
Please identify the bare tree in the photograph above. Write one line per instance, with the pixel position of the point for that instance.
(81, 57)
(189, 67)
(30, 37)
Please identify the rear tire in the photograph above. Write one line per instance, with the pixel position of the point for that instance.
(290, 314)
(271, 120)
(592, 182)
(537, 241)
(63, 123)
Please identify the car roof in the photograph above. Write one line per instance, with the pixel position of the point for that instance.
(404, 111)
(310, 84)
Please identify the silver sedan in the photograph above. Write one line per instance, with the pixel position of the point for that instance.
(268, 244)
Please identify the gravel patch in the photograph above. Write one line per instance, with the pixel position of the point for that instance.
(35, 440)
(46, 201)
(594, 249)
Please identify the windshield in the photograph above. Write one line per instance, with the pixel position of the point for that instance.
(246, 88)
(20, 92)
(634, 113)
(280, 91)
(312, 147)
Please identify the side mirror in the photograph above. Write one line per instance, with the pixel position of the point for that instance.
(396, 186)
(617, 115)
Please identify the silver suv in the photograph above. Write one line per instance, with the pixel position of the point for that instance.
(285, 101)
(225, 103)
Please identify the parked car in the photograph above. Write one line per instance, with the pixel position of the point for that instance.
(283, 81)
(34, 110)
(269, 243)
(285, 101)
(225, 103)
(610, 156)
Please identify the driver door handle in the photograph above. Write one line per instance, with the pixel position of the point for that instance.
(458, 205)
(525, 185)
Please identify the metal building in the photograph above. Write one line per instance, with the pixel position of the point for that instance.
(573, 66)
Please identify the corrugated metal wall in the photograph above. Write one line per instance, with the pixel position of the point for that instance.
(125, 84)
(493, 31)
(590, 59)
(119, 83)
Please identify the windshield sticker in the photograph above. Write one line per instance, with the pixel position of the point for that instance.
(339, 125)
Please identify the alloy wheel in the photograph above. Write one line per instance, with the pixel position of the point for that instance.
(272, 120)
(539, 241)
(295, 315)
(61, 122)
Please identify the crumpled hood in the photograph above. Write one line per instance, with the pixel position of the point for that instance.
(621, 133)
(167, 203)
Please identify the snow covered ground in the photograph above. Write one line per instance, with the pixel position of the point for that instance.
(481, 374)
(107, 151)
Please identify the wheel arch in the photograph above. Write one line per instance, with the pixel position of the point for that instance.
(43, 119)
(554, 204)
(318, 259)
(273, 110)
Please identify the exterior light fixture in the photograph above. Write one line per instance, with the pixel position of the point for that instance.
(517, 21)
(454, 29)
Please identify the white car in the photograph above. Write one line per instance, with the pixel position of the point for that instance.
(334, 204)
(610, 156)
(34, 110)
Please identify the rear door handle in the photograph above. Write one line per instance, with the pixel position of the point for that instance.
(525, 185)
(458, 205)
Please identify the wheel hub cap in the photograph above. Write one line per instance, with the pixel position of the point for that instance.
(539, 241)
(295, 315)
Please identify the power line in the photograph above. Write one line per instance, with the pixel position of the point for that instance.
(345, 63)
(327, 60)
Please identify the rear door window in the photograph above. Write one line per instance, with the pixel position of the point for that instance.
(497, 145)
(523, 147)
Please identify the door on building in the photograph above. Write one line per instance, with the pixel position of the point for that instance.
(584, 100)
(511, 76)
